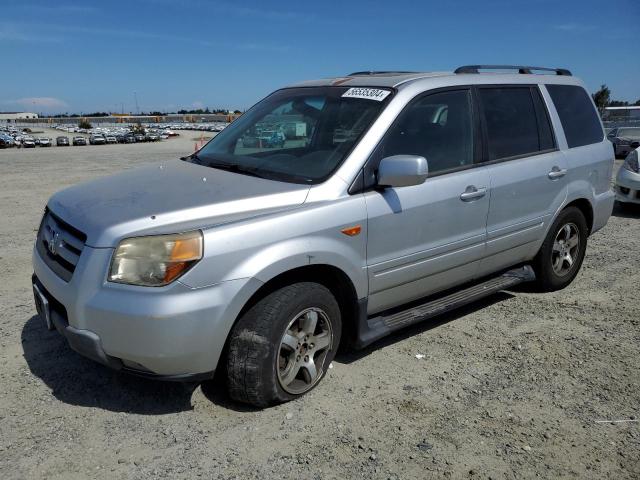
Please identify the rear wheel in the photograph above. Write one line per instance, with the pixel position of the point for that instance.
(561, 255)
(282, 346)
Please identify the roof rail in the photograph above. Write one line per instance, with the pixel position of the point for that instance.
(382, 72)
(521, 69)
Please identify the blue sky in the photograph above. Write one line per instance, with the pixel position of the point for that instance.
(66, 56)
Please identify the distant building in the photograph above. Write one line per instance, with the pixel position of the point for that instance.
(13, 116)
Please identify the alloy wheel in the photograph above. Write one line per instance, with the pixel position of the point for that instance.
(303, 350)
(565, 250)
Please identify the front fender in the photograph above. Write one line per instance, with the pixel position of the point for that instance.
(277, 259)
(266, 247)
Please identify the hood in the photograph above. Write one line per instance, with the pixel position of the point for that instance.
(174, 197)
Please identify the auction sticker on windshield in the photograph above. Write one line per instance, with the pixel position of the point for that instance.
(376, 94)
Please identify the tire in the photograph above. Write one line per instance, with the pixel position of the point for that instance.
(553, 269)
(272, 356)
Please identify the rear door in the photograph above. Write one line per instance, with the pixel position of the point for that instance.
(527, 172)
(428, 237)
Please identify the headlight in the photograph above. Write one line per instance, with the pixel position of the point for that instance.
(631, 162)
(155, 260)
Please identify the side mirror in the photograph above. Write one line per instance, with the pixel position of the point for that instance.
(635, 145)
(402, 171)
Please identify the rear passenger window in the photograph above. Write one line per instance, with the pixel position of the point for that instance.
(512, 123)
(577, 114)
(438, 127)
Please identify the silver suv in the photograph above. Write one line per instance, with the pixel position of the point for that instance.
(333, 212)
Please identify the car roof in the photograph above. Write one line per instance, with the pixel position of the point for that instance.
(370, 79)
(396, 79)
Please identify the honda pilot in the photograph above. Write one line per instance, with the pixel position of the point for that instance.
(390, 197)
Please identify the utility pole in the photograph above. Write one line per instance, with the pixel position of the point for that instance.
(135, 96)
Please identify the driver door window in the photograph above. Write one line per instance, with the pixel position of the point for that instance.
(438, 127)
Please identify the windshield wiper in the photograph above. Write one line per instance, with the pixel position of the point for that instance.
(193, 156)
(235, 168)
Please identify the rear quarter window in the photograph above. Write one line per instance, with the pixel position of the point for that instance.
(577, 114)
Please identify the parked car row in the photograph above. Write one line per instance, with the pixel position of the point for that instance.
(102, 139)
(206, 127)
(10, 136)
(14, 138)
(149, 133)
(26, 141)
(168, 129)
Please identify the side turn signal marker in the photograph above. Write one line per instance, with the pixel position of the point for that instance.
(352, 231)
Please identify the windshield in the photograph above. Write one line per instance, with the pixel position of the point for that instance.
(298, 135)
(629, 132)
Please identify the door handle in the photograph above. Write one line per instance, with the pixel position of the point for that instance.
(472, 193)
(557, 172)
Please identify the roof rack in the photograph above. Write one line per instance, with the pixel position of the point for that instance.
(521, 69)
(382, 72)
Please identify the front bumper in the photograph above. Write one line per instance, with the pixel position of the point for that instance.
(627, 186)
(89, 345)
(172, 333)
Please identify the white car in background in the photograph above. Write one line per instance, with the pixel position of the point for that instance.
(623, 139)
(628, 179)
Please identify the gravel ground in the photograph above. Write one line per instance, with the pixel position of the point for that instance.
(511, 387)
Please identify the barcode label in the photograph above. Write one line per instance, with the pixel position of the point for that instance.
(376, 94)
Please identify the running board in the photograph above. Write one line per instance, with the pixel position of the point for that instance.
(372, 329)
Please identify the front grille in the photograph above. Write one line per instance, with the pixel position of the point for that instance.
(60, 245)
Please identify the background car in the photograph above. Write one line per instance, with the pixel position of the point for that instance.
(28, 142)
(79, 141)
(111, 139)
(97, 139)
(6, 141)
(622, 138)
(44, 142)
(627, 186)
(62, 141)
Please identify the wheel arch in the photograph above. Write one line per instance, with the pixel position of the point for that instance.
(585, 207)
(333, 278)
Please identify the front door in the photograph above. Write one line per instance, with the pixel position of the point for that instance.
(426, 238)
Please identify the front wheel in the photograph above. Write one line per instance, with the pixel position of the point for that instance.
(283, 345)
(561, 255)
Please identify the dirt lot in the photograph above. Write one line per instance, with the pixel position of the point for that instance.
(511, 387)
